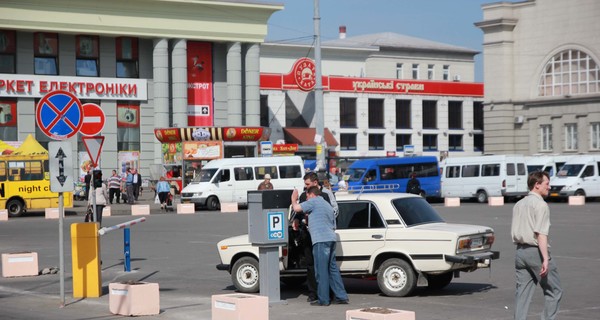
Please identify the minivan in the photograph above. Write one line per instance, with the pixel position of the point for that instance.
(578, 177)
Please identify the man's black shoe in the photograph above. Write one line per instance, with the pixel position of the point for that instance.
(316, 303)
(339, 301)
(311, 299)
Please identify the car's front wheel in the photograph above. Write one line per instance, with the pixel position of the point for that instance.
(396, 278)
(15, 208)
(212, 203)
(244, 275)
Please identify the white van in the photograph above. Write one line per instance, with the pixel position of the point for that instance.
(484, 176)
(580, 176)
(548, 163)
(228, 180)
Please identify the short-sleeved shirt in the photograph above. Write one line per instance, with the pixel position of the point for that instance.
(114, 182)
(321, 221)
(530, 215)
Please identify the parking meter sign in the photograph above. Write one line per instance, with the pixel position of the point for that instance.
(276, 230)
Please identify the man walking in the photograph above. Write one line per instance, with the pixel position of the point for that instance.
(129, 186)
(533, 263)
(114, 187)
(137, 184)
(321, 226)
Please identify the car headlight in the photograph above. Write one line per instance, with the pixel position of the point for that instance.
(198, 194)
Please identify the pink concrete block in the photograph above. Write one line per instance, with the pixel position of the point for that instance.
(229, 207)
(4, 215)
(186, 208)
(106, 211)
(452, 202)
(19, 264)
(240, 306)
(496, 201)
(140, 209)
(379, 314)
(51, 213)
(134, 299)
(577, 200)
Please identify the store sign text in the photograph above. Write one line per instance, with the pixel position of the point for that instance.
(387, 86)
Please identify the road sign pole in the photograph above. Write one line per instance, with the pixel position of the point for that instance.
(61, 242)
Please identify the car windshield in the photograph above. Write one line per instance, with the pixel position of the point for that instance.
(570, 170)
(205, 175)
(533, 168)
(354, 174)
(416, 211)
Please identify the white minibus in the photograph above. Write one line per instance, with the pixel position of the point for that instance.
(228, 180)
(580, 176)
(481, 177)
(548, 163)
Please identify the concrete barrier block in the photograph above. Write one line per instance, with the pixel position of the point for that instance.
(4, 215)
(186, 208)
(140, 209)
(379, 314)
(51, 213)
(452, 202)
(496, 201)
(576, 200)
(240, 306)
(229, 207)
(19, 264)
(106, 211)
(134, 299)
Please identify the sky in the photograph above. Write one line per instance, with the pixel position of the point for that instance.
(445, 21)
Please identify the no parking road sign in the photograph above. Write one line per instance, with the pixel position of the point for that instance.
(59, 115)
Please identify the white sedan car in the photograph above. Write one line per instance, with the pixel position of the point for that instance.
(397, 237)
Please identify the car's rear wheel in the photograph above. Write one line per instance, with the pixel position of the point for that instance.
(15, 208)
(439, 281)
(244, 275)
(212, 203)
(396, 278)
(482, 197)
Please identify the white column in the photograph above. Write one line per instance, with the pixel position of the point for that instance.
(179, 81)
(234, 83)
(252, 64)
(160, 75)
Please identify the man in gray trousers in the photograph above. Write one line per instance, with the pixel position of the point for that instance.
(533, 264)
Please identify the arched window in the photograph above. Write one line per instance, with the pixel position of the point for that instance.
(569, 72)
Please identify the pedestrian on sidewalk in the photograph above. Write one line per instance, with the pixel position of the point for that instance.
(114, 187)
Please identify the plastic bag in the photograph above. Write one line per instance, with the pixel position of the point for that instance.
(156, 200)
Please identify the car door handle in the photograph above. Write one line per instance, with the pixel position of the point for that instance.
(377, 236)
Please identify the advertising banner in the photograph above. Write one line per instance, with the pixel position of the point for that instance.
(200, 88)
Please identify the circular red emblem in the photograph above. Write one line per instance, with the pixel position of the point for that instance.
(304, 74)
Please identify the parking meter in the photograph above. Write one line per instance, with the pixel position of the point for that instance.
(268, 229)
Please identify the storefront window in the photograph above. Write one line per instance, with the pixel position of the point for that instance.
(402, 140)
(348, 141)
(347, 112)
(128, 126)
(8, 120)
(403, 119)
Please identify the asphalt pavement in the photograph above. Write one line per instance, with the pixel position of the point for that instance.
(179, 253)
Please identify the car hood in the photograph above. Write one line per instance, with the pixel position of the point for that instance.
(459, 229)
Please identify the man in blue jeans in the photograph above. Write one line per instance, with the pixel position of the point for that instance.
(321, 225)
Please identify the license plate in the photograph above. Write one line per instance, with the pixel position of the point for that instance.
(554, 194)
(476, 242)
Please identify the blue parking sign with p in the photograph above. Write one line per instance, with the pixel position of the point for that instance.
(276, 228)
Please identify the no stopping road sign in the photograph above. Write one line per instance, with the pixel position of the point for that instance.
(59, 115)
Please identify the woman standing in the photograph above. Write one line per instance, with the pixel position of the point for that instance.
(101, 196)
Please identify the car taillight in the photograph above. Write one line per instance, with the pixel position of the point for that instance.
(284, 252)
(503, 183)
(464, 243)
(489, 239)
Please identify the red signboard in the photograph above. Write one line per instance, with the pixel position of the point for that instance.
(285, 148)
(93, 119)
(168, 135)
(200, 88)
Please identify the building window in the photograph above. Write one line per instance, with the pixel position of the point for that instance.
(429, 114)
(595, 138)
(478, 115)
(45, 51)
(403, 118)
(415, 71)
(571, 137)
(455, 115)
(455, 142)
(128, 126)
(375, 113)
(127, 57)
(478, 142)
(402, 140)
(446, 75)
(430, 74)
(376, 142)
(347, 112)
(569, 72)
(264, 110)
(87, 56)
(347, 141)
(8, 51)
(399, 71)
(546, 137)
(430, 142)
(8, 120)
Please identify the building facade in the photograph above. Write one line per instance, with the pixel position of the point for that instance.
(382, 93)
(541, 75)
(148, 64)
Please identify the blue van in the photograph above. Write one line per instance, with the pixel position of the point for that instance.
(371, 175)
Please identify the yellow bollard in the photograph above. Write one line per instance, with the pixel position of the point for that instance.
(85, 248)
